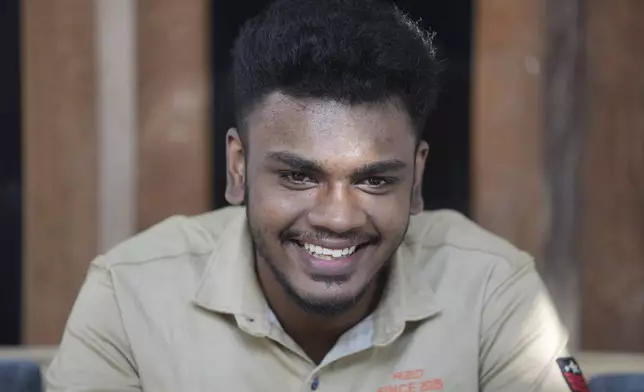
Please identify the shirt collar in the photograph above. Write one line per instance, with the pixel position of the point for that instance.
(229, 285)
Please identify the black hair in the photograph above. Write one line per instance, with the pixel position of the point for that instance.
(349, 51)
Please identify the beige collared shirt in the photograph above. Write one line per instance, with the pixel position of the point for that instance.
(178, 308)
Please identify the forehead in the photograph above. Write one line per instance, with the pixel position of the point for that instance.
(323, 130)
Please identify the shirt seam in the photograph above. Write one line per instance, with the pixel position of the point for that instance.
(502, 286)
(501, 256)
(480, 321)
(215, 238)
(137, 262)
(134, 363)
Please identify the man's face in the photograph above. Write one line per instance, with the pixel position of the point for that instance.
(329, 189)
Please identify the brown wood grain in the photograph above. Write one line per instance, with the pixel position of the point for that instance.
(507, 170)
(563, 136)
(526, 135)
(174, 109)
(612, 221)
(60, 168)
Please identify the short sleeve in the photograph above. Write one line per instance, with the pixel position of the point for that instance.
(521, 335)
(94, 354)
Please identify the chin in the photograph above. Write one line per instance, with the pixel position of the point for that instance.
(326, 297)
(326, 305)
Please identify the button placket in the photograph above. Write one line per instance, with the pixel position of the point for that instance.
(315, 383)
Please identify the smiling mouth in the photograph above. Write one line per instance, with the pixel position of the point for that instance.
(327, 253)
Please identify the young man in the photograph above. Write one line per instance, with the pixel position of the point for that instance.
(331, 277)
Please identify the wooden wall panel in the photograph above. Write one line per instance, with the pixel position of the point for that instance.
(60, 169)
(116, 84)
(525, 135)
(612, 222)
(507, 170)
(104, 158)
(558, 154)
(563, 135)
(174, 105)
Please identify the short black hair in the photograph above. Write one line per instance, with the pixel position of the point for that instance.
(349, 51)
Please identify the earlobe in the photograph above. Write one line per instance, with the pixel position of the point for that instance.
(235, 168)
(417, 202)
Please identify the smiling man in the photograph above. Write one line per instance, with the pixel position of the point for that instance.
(331, 277)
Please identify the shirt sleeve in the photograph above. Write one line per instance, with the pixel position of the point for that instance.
(521, 336)
(94, 354)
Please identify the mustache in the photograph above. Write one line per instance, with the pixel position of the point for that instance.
(308, 236)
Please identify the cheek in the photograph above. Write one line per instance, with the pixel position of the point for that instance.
(389, 213)
(276, 205)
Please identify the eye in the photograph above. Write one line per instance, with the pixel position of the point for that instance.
(378, 182)
(378, 185)
(297, 178)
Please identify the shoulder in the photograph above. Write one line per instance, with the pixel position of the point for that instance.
(460, 247)
(448, 228)
(177, 237)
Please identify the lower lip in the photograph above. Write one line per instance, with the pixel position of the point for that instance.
(319, 266)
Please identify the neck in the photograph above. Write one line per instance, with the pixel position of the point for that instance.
(315, 334)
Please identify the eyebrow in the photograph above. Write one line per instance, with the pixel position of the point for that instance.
(298, 162)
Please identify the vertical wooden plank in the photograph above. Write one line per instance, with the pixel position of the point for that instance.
(116, 96)
(563, 135)
(60, 169)
(527, 133)
(612, 219)
(507, 169)
(174, 105)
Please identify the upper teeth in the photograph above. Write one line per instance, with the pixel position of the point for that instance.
(318, 250)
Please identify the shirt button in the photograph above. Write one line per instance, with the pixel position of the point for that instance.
(315, 383)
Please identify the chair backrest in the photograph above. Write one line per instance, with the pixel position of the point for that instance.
(20, 376)
(617, 383)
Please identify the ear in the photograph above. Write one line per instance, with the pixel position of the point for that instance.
(235, 168)
(417, 204)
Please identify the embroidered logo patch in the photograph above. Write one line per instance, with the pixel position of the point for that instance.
(573, 375)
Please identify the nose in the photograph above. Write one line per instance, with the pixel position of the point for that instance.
(336, 210)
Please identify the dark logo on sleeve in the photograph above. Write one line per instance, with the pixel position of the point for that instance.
(573, 375)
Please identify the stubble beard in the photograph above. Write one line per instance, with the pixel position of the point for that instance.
(327, 307)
